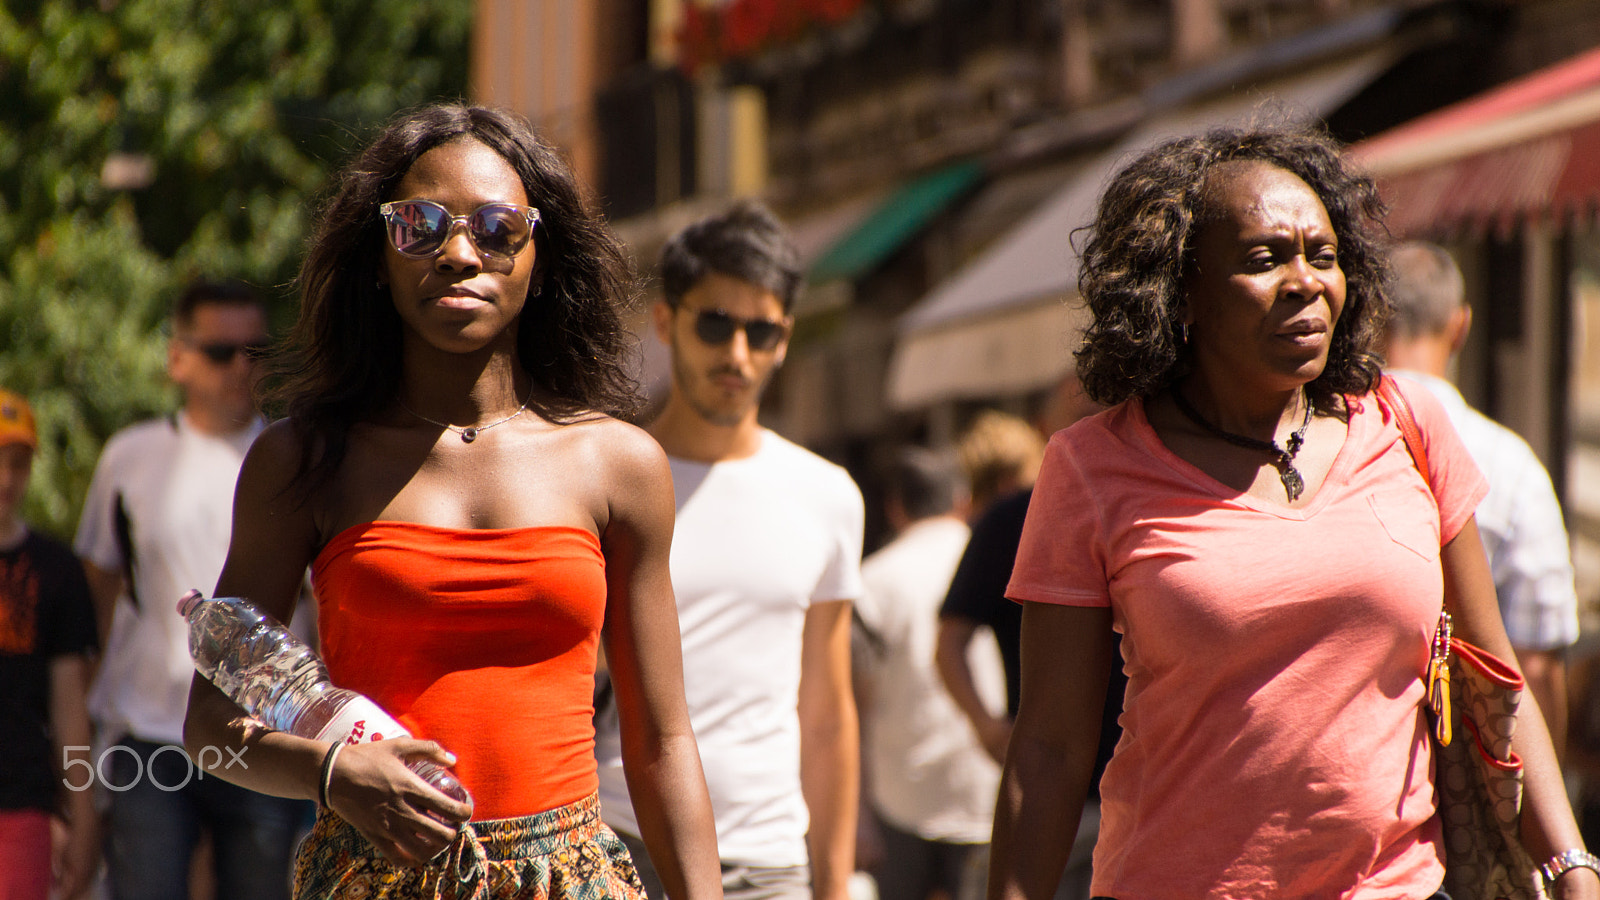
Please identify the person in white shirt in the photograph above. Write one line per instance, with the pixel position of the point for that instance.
(1520, 519)
(765, 564)
(156, 523)
(928, 780)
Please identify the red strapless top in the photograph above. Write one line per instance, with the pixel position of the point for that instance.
(482, 640)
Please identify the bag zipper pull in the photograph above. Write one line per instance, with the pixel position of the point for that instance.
(1439, 681)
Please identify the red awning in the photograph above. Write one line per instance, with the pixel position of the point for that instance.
(1528, 148)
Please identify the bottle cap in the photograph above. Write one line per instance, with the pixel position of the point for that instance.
(189, 601)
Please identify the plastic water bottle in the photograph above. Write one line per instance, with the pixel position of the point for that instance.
(276, 678)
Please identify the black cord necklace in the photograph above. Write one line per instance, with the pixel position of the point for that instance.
(1282, 457)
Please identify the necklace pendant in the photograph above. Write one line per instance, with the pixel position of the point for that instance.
(1293, 484)
(468, 435)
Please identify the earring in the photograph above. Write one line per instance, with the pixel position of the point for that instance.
(1183, 331)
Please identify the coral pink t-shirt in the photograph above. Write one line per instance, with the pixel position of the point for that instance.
(1274, 743)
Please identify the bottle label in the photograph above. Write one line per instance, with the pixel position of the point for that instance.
(360, 722)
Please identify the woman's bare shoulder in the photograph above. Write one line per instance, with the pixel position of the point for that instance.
(623, 448)
(276, 455)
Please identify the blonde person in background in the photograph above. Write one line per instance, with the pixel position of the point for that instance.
(1001, 454)
(1010, 448)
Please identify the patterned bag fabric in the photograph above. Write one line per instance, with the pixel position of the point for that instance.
(1473, 696)
(1478, 778)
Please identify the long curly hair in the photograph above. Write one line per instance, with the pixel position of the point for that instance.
(342, 362)
(1141, 242)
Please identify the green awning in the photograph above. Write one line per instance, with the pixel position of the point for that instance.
(887, 229)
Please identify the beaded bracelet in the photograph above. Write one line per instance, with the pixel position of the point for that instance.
(327, 773)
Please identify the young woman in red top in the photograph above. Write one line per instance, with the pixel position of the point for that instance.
(476, 522)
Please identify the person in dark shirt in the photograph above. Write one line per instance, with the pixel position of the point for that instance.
(47, 634)
(977, 596)
(977, 599)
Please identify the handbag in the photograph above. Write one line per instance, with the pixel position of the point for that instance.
(1473, 697)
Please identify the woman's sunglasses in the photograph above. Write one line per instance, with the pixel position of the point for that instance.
(716, 327)
(418, 229)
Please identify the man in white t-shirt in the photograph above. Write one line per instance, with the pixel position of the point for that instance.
(927, 778)
(1520, 518)
(765, 564)
(156, 523)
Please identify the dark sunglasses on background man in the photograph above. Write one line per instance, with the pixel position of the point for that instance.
(716, 327)
(222, 352)
(418, 229)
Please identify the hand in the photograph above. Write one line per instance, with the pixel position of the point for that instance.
(1581, 883)
(74, 851)
(995, 734)
(404, 817)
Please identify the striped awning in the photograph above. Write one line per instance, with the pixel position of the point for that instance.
(1528, 148)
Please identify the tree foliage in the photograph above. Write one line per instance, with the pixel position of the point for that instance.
(240, 111)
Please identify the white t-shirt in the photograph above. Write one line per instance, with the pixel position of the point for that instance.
(1521, 526)
(172, 486)
(927, 773)
(757, 541)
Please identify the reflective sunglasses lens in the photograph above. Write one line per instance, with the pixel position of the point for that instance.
(417, 228)
(763, 334)
(500, 231)
(714, 327)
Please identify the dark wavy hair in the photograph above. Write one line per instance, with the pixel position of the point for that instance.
(1141, 242)
(746, 241)
(342, 361)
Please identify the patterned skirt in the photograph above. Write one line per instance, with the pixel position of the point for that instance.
(565, 853)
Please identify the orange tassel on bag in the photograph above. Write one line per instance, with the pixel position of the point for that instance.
(1439, 681)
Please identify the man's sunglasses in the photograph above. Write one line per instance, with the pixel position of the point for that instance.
(418, 229)
(716, 327)
(222, 353)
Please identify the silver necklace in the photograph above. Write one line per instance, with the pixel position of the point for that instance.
(471, 432)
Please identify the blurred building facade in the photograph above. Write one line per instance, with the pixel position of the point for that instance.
(934, 156)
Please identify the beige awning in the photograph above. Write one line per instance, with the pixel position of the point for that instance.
(1527, 148)
(1015, 350)
(1000, 326)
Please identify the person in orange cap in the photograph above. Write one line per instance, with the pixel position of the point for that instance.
(47, 635)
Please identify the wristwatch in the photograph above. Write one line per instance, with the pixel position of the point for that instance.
(1566, 861)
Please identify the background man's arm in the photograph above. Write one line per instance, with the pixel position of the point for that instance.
(829, 747)
(950, 657)
(104, 589)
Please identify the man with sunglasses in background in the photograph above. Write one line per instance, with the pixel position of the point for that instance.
(155, 523)
(765, 564)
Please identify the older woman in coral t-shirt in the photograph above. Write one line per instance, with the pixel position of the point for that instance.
(1248, 516)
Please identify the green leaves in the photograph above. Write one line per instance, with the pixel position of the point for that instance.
(236, 114)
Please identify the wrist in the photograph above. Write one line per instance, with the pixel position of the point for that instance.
(325, 775)
(1567, 861)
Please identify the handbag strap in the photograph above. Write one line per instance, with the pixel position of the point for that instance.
(1438, 676)
(1401, 407)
